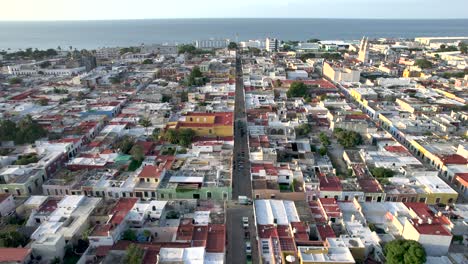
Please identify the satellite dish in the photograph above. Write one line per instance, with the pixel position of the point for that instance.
(290, 258)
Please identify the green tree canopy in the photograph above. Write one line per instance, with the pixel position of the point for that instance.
(187, 48)
(402, 251)
(423, 63)
(26, 131)
(232, 45)
(303, 129)
(15, 80)
(125, 144)
(14, 239)
(323, 151)
(324, 139)
(137, 152)
(297, 89)
(347, 138)
(134, 254)
(380, 172)
(196, 77)
(129, 234)
(463, 47)
(147, 61)
(183, 137)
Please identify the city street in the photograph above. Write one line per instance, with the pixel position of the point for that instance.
(242, 185)
(237, 234)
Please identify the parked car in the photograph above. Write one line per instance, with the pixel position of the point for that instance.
(248, 248)
(245, 222)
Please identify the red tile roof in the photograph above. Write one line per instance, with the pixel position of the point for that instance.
(370, 185)
(150, 171)
(454, 159)
(267, 231)
(121, 209)
(330, 207)
(396, 149)
(216, 241)
(330, 183)
(325, 231)
(462, 178)
(14, 254)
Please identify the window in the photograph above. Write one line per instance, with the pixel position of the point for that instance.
(437, 200)
(346, 197)
(404, 200)
(208, 195)
(6, 190)
(162, 195)
(196, 196)
(422, 200)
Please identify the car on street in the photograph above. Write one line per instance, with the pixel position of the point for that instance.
(248, 248)
(245, 222)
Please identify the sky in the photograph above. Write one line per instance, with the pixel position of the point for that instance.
(43, 10)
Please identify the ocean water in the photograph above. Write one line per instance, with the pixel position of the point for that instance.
(93, 34)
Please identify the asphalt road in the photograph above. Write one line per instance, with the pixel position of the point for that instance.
(242, 185)
(236, 234)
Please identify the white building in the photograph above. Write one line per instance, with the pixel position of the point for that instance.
(272, 44)
(212, 44)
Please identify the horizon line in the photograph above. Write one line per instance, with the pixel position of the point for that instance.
(208, 18)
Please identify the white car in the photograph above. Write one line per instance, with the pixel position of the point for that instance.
(245, 222)
(248, 248)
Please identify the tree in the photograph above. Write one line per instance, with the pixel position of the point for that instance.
(347, 138)
(137, 152)
(7, 130)
(15, 80)
(145, 122)
(313, 40)
(403, 251)
(186, 136)
(147, 61)
(323, 151)
(232, 45)
(129, 235)
(463, 47)
(379, 172)
(324, 139)
(254, 51)
(171, 135)
(125, 144)
(287, 47)
(196, 77)
(134, 254)
(303, 129)
(297, 89)
(28, 131)
(14, 239)
(188, 48)
(423, 63)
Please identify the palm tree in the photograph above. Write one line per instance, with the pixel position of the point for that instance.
(145, 122)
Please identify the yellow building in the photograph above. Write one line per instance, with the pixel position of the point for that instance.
(435, 191)
(407, 73)
(209, 124)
